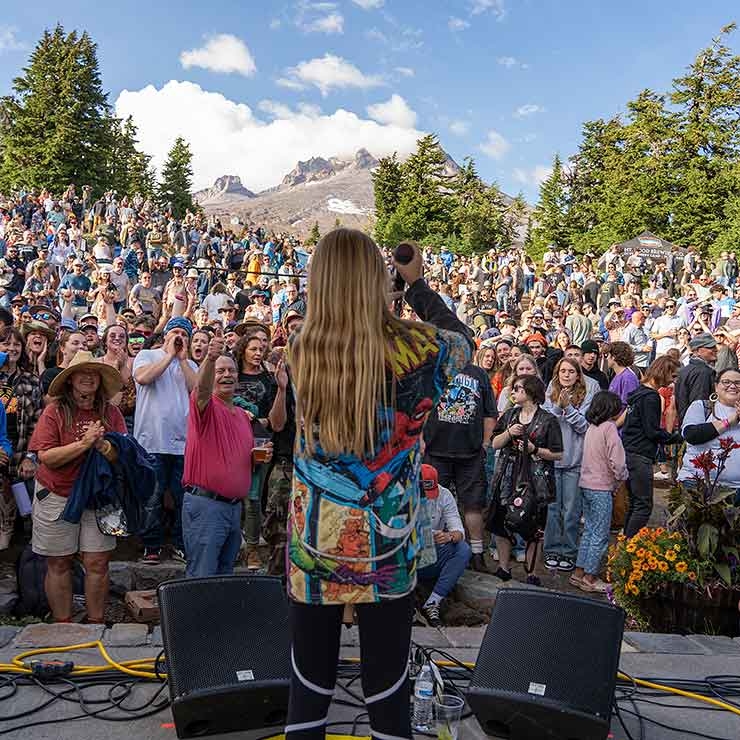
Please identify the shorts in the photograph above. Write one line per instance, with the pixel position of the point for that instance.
(467, 473)
(53, 537)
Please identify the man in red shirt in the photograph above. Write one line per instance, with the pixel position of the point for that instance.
(218, 467)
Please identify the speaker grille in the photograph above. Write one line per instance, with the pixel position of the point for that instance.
(555, 646)
(224, 631)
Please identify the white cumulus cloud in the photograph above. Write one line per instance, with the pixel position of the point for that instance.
(457, 24)
(535, 176)
(459, 128)
(332, 23)
(369, 4)
(327, 73)
(227, 137)
(395, 111)
(9, 39)
(221, 53)
(405, 71)
(497, 7)
(528, 110)
(495, 145)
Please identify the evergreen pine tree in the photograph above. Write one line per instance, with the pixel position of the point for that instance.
(550, 214)
(387, 184)
(56, 124)
(315, 235)
(176, 182)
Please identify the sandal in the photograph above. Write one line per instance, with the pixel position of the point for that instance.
(597, 587)
(574, 580)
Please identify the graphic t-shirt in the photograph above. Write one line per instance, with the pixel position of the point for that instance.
(259, 389)
(455, 427)
(10, 402)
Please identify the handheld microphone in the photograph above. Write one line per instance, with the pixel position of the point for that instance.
(403, 254)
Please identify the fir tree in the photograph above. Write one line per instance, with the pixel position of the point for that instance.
(550, 214)
(56, 124)
(176, 181)
(315, 235)
(387, 183)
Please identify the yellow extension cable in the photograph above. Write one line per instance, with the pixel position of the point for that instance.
(144, 668)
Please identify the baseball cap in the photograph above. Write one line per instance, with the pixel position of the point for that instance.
(429, 481)
(589, 346)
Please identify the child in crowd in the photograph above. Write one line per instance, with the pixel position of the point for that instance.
(603, 467)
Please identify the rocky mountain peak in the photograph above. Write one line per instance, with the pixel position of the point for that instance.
(225, 185)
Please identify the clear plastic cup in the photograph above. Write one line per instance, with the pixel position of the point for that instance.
(447, 713)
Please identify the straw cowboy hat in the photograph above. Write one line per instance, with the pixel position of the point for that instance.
(37, 326)
(110, 378)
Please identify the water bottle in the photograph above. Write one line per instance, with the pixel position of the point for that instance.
(428, 552)
(423, 700)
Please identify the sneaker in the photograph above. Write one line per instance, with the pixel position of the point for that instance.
(504, 575)
(430, 614)
(478, 564)
(150, 556)
(178, 555)
(533, 580)
(566, 565)
(661, 476)
(551, 562)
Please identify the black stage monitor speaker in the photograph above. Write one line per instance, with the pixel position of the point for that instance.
(547, 667)
(227, 651)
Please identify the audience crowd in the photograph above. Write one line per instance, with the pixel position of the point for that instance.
(590, 371)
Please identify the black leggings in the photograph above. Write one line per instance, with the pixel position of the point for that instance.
(385, 637)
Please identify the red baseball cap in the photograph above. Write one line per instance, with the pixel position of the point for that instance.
(429, 481)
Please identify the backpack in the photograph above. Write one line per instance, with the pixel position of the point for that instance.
(30, 571)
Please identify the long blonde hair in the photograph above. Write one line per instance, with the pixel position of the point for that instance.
(338, 360)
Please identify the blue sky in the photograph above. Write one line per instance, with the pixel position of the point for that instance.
(255, 86)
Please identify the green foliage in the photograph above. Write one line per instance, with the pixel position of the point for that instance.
(550, 215)
(419, 200)
(314, 236)
(177, 178)
(56, 126)
(670, 165)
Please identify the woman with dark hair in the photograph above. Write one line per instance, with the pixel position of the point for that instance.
(20, 392)
(199, 345)
(503, 286)
(527, 423)
(707, 422)
(356, 493)
(641, 435)
(70, 426)
(624, 381)
(603, 468)
(256, 386)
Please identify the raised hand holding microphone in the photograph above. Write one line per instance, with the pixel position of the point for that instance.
(409, 268)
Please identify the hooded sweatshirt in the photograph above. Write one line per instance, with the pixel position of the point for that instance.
(641, 433)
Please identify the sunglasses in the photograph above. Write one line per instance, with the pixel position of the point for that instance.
(136, 340)
(43, 315)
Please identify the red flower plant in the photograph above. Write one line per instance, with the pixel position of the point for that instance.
(705, 462)
(728, 444)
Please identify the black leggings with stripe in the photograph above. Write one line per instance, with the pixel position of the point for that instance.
(385, 637)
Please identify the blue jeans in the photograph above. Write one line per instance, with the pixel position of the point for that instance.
(169, 469)
(564, 516)
(213, 535)
(452, 559)
(597, 514)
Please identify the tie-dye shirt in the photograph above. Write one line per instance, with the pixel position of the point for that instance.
(353, 526)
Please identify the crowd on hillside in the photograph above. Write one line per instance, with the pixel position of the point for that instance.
(589, 371)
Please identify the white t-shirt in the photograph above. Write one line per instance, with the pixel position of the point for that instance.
(663, 324)
(695, 414)
(161, 407)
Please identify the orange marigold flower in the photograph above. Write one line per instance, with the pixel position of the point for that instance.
(691, 575)
(631, 547)
(642, 553)
(681, 567)
(659, 531)
(670, 555)
(663, 566)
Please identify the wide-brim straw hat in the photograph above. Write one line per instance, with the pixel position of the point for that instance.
(37, 326)
(110, 378)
